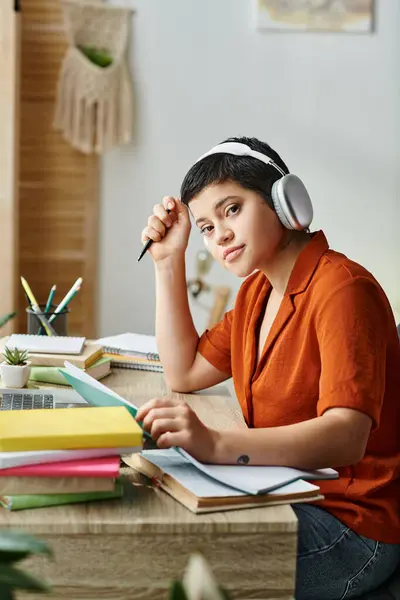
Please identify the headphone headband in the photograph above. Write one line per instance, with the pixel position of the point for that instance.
(289, 196)
(239, 149)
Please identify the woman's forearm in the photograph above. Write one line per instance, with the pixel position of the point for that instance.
(333, 440)
(176, 334)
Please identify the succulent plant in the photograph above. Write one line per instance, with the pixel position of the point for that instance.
(15, 357)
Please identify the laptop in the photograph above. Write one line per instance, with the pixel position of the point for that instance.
(26, 398)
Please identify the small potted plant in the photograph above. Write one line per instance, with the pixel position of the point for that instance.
(16, 368)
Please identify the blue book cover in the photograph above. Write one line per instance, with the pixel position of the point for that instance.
(94, 392)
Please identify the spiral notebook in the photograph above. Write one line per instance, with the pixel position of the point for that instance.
(46, 344)
(131, 344)
(134, 362)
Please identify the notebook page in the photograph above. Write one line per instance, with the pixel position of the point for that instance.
(92, 382)
(257, 479)
(202, 486)
(131, 342)
(94, 392)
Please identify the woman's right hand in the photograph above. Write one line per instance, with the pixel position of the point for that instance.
(169, 231)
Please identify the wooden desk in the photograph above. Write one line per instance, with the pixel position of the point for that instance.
(131, 549)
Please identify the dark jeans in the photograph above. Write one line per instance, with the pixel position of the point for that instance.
(334, 562)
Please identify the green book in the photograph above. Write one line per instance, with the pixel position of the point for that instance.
(46, 374)
(23, 501)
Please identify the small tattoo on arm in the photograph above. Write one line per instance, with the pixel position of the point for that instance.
(243, 459)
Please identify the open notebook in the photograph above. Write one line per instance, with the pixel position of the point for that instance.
(181, 479)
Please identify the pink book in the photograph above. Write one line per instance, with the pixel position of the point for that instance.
(107, 466)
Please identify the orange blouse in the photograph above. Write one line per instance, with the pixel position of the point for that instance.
(333, 343)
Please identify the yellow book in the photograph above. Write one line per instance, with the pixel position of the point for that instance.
(68, 428)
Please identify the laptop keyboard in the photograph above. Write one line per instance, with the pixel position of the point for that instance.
(17, 401)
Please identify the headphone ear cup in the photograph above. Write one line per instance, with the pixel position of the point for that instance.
(292, 202)
(275, 194)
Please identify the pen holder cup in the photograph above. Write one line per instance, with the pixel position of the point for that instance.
(60, 323)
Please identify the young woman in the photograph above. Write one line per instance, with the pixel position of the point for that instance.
(314, 354)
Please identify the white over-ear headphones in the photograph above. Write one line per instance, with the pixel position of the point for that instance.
(289, 195)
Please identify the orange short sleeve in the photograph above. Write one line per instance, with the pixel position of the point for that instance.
(215, 344)
(352, 335)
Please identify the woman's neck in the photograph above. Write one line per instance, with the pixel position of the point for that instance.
(278, 271)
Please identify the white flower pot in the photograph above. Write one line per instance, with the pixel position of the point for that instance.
(15, 376)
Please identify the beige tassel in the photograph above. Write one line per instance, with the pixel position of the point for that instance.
(94, 103)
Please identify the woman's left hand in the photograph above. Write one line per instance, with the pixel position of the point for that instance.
(172, 423)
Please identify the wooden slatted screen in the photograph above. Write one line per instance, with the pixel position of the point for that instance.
(9, 107)
(58, 186)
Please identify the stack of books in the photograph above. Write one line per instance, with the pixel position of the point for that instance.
(63, 456)
(132, 351)
(57, 483)
(45, 368)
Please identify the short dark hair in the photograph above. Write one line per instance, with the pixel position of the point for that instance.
(248, 172)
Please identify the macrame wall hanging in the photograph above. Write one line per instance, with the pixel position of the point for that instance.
(94, 96)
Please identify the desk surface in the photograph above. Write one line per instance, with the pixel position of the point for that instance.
(144, 507)
(132, 548)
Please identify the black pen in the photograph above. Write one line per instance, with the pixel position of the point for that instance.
(148, 244)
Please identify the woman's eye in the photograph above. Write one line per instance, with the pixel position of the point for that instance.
(206, 230)
(232, 210)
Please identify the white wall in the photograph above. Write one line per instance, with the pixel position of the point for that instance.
(328, 103)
